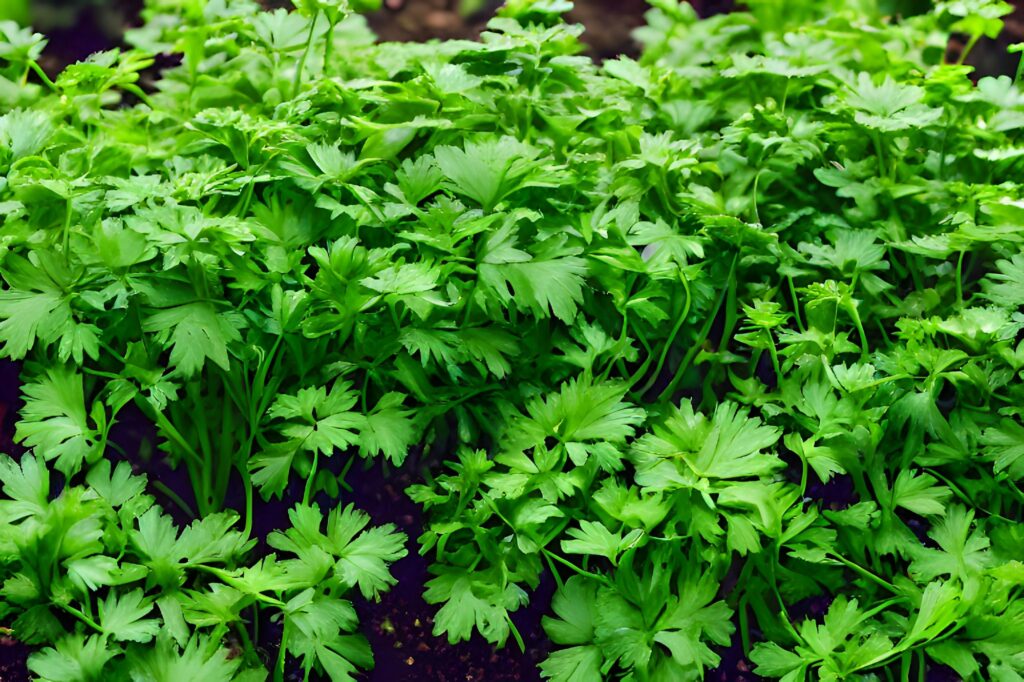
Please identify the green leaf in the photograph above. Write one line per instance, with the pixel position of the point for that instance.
(54, 420)
(575, 664)
(919, 494)
(36, 309)
(201, 658)
(91, 573)
(963, 552)
(122, 617)
(195, 333)
(593, 538)
(471, 601)
(889, 106)
(1004, 447)
(74, 659)
(774, 661)
(26, 484)
(364, 560)
(361, 555)
(388, 430)
(687, 447)
(575, 604)
(485, 170)
(544, 287)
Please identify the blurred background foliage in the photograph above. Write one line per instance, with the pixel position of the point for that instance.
(14, 10)
(77, 28)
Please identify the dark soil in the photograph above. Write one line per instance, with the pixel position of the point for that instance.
(12, 660)
(608, 22)
(400, 626)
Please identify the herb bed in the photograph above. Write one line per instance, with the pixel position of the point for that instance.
(707, 357)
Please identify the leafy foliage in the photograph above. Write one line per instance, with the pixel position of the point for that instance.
(105, 579)
(646, 312)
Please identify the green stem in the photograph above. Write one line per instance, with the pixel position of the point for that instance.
(305, 55)
(224, 458)
(774, 352)
(243, 471)
(308, 492)
(250, 650)
(960, 280)
(803, 477)
(796, 304)
(877, 141)
(172, 433)
(81, 616)
(101, 373)
(865, 349)
(671, 337)
(865, 573)
(279, 666)
(233, 581)
(554, 572)
(595, 576)
(783, 613)
(344, 472)
(757, 215)
(515, 633)
(705, 330)
(42, 75)
(329, 47)
(174, 497)
(971, 42)
(67, 229)
(645, 365)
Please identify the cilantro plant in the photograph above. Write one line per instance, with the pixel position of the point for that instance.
(725, 338)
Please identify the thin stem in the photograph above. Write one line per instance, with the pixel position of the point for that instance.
(877, 141)
(757, 215)
(305, 55)
(705, 330)
(803, 476)
(865, 572)
(344, 472)
(645, 365)
(174, 497)
(281, 653)
(101, 373)
(308, 492)
(865, 349)
(554, 572)
(960, 280)
(774, 352)
(81, 616)
(796, 304)
(783, 613)
(596, 576)
(515, 633)
(67, 228)
(243, 471)
(172, 433)
(971, 42)
(329, 47)
(672, 335)
(42, 75)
